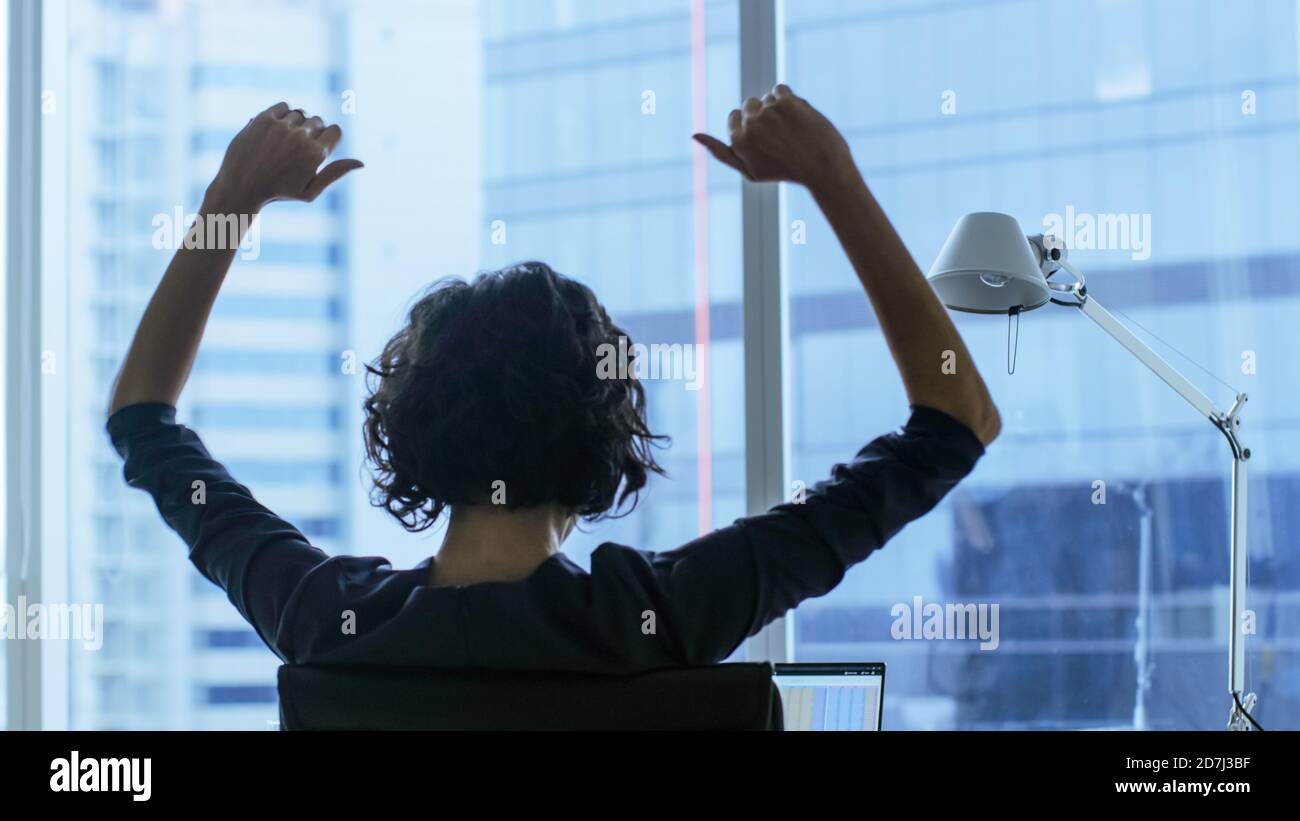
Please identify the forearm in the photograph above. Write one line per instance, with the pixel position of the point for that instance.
(921, 335)
(277, 156)
(166, 342)
(782, 138)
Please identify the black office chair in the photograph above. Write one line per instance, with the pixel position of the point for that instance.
(718, 697)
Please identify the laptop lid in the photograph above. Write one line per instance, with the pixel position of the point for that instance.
(819, 696)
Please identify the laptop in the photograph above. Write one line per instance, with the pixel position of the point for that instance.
(846, 697)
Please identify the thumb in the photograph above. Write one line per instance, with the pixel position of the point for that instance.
(327, 176)
(722, 152)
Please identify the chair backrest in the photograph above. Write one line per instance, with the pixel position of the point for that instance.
(718, 697)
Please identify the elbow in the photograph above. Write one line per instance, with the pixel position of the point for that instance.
(976, 413)
(988, 423)
(114, 396)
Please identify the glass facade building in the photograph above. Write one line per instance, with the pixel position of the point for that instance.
(506, 130)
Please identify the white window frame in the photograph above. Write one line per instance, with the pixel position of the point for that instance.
(766, 328)
(36, 423)
(35, 323)
(22, 400)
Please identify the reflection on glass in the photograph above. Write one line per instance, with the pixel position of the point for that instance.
(4, 536)
(493, 132)
(958, 108)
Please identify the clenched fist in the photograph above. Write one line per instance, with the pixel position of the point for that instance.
(278, 156)
(781, 138)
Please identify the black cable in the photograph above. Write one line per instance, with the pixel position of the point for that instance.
(1237, 698)
(1013, 352)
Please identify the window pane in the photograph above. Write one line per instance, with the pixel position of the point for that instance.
(4, 406)
(493, 132)
(953, 108)
(590, 166)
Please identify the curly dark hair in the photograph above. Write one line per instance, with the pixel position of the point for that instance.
(496, 380)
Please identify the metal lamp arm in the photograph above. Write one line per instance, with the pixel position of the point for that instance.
(1052, 258)
(1157, 364)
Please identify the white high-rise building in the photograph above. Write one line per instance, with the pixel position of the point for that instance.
(531, 115)
(162, 88)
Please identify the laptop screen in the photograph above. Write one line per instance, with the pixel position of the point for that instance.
(832, 696)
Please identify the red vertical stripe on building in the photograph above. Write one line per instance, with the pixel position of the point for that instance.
(700, 208)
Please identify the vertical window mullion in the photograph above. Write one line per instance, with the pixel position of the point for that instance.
(56, 406)
(22, 356)
(766, 327)
(36, 357)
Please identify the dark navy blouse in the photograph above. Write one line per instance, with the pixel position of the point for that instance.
(706, 596)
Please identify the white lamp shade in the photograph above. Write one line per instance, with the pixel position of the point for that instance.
(988, 266)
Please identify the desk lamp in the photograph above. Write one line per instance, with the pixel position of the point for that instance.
(989, 266)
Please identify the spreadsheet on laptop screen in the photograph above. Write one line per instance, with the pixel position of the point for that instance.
(831, 697)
